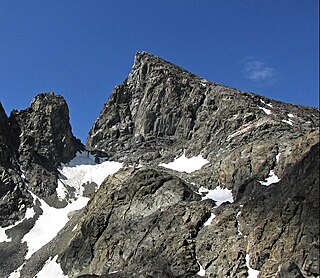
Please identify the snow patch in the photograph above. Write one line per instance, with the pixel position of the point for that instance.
(75, 175)
(270, 105)
(75, 227)
(290, 115)
(238, 224)
(252, 273)
(278, 157)
(49, 223)
(219, 195)
(272, 178)
(202, 271)
(184, 164)
(209, 221)
(51, 269)
(61, 191)
(16, 273)
(3, 235)
(265, 110)
(289, 122)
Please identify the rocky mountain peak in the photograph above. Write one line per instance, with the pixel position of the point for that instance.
(43, 101)
(161, 111)
(43, 139)
(214, 182)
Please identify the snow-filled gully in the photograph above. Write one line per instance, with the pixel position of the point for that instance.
(79, 171)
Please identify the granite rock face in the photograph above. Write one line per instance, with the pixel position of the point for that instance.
(150, 221)
(33, 143)
(143, 222)
(44, 140)
(161, 112)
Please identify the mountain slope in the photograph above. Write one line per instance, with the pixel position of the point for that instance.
(162, 111)
(216, 183)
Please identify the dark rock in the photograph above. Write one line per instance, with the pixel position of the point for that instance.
(44, 140)
(289, 270)
(14, 198)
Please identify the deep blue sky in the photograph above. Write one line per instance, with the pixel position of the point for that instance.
(82, 49)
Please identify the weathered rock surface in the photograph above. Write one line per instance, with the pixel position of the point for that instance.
(161, 111)
(14, 198)
(275, 225)
(44, 140)
(148, 221)
(33, 143)
(141, 222)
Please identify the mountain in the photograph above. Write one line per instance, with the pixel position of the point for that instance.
(180, 177)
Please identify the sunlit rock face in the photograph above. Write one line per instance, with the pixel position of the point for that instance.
(162, 111)
(180, 177)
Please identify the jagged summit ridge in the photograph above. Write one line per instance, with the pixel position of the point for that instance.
(160, 101)
(249, 203)
(146, 63)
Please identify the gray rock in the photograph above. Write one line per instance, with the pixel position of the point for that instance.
(162, 110)
(140, 222)
(289, 270)
(44, 140)
(148, 221)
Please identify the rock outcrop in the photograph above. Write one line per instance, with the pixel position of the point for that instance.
(150, 221)
(43, 140)
(14, 198)
(161, 112)
(143, 222)
(33, 143)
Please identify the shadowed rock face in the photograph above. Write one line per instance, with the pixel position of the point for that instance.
(14, 199)
(44, 140)
(33, 142)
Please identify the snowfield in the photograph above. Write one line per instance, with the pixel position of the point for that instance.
(184, 164)
(252, 273)
(51, 269)
(219, 195)
(82, 169)
(49, 223)
(79, 171)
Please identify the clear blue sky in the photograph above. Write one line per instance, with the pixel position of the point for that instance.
(82, 49)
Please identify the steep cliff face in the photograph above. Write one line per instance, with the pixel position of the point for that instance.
(264, 151)
(162, 111)
(14, 198)
(43, 140)
(33, 143)
(216, 183)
